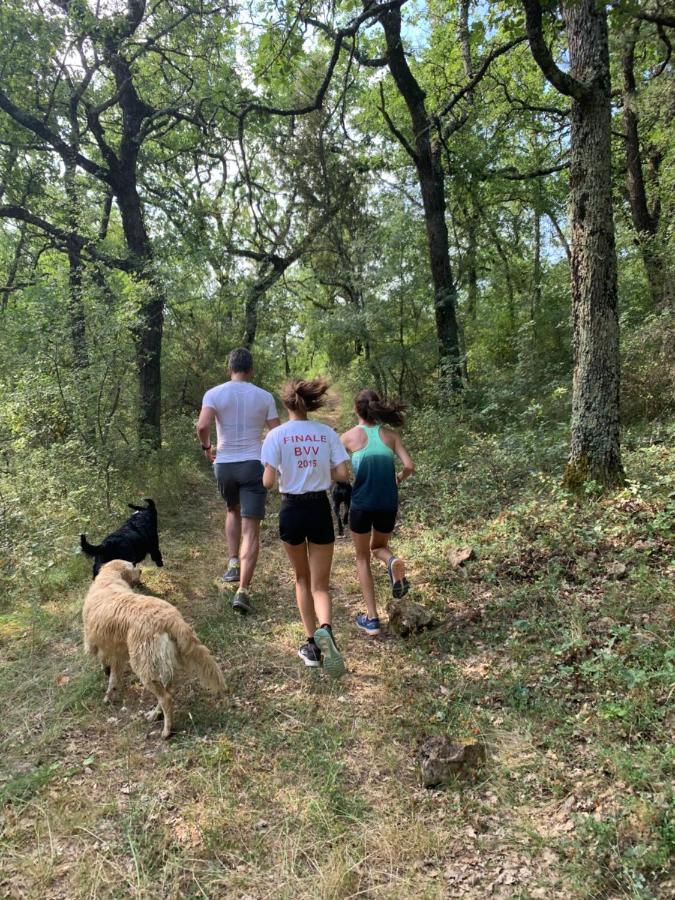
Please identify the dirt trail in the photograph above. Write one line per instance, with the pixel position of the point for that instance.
(291, 786)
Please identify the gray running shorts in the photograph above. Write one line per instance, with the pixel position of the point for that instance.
(240, 484)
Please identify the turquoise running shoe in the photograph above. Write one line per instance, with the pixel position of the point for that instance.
(331, 657)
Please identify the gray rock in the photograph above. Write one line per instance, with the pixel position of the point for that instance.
(407, 617)
(461, 555)
(440, 760)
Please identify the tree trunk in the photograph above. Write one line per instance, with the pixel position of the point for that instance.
(427, 158)
(472, 263)
(535, 303)
(645, 220)
(76, 308)
(287, 364)
(124, 170)
(149, 328)
(253, 295)
(268, 275)
(445, 291)
(76, 314)
(506, 268)
(595, 450)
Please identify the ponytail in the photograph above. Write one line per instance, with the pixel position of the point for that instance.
(370, 408)
(304, 396)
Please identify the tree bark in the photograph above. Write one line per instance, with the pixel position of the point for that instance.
(595, 447)
(535, 304)
(472, 279)
(426, 154)
(472, 261)
(123, 167)
(645, 220)
(149, 328)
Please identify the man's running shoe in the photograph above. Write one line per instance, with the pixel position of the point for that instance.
(331, 656)
(310, 655)
(370, 626)
(398, 588)
(241, 602)
(232, 575)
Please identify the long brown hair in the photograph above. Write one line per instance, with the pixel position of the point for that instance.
(304, 396)
(371, 408)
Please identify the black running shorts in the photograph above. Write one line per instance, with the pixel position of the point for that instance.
(361, 521)
(240, 484)
(306, 517)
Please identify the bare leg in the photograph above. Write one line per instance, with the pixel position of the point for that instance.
(250, 546)
(364, 572)
(379, 544)
(297, 553)
(320, 561)
(233, 531)
(166, 704)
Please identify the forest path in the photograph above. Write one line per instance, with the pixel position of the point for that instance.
(292, 785)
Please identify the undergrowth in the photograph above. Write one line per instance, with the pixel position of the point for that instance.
(553, 646)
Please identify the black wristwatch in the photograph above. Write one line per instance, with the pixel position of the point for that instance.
(207, 447)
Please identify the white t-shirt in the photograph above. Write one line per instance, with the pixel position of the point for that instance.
(242, 410)
(303, 453)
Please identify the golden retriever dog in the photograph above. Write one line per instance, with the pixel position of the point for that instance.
(150, 634)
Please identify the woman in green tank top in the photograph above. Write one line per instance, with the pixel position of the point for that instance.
(372, 515)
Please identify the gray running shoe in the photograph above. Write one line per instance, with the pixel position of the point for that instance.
(310, 655)
(232, 575)
(331, 657)
(241, 602)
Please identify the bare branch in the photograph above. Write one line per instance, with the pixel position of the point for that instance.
(376, 63)
(480, 74)
(400, 137)
(657, 18)
(372, 11)
(87, 245)
(560, 235)
(561, 81)
(31, 123)
(513, 175)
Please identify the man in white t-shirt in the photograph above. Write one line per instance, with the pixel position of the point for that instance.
(241, 411)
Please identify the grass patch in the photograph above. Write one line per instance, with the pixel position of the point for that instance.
(558, 659)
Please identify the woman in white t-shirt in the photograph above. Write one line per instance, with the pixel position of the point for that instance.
(308, 456)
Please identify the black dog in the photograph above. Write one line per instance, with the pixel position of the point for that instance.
(341, 493)
(132, 541)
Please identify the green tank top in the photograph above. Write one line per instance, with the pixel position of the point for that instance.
(374, 473)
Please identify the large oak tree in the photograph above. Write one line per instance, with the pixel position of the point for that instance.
(595, 447)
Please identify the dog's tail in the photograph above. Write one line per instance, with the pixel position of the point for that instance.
(197, 659)
(86, 547)
(201, 664)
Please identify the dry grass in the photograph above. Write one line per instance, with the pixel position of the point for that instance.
(292, 786)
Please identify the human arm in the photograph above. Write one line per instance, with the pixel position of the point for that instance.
(270, 457)
(404, 456)
(269, 476)
(340, 472)
(338, 458)
(272, 418)
(204, 423)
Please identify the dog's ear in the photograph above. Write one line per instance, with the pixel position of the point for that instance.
(126, 570)
(130, 573)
